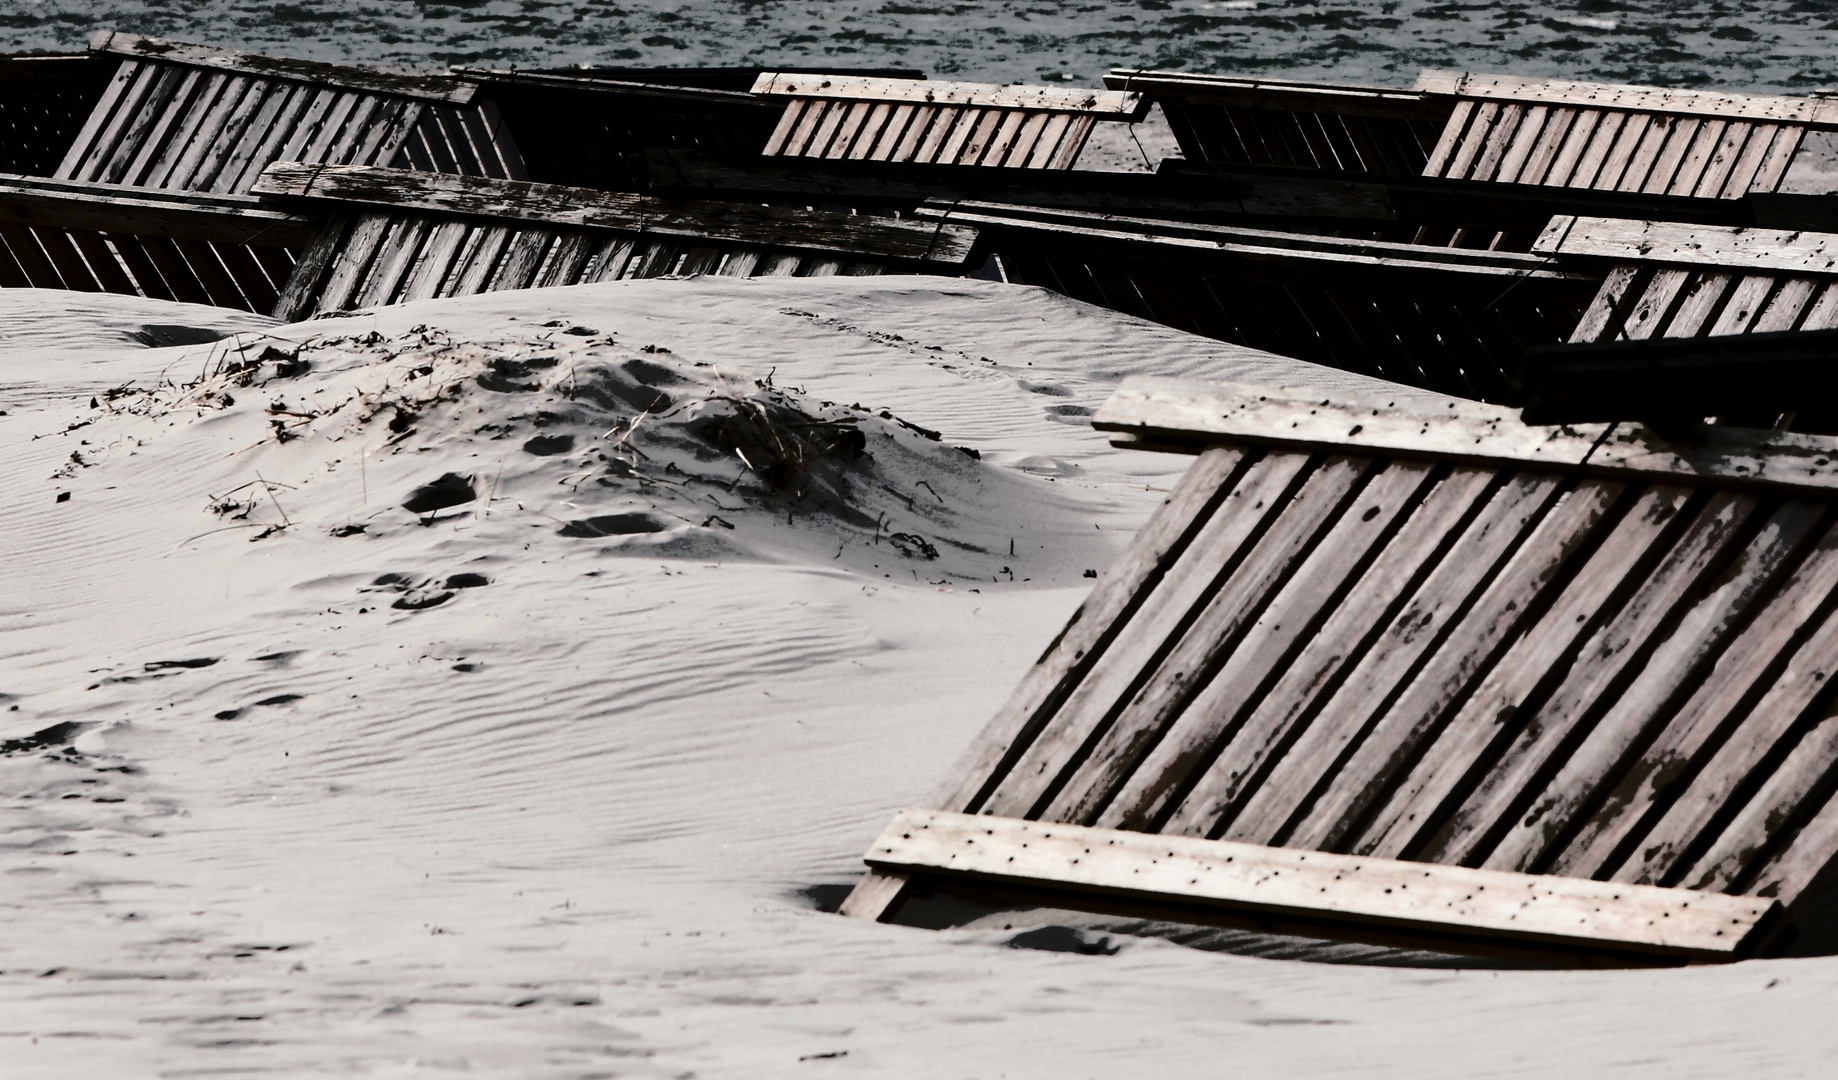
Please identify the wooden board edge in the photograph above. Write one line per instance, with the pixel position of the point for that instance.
(1127, 106)
(427, 87)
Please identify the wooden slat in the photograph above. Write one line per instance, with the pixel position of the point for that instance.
(1498, 143)
(778, 142)
(522, 258)
(1773, 170)
(1682, 133)
(115, 157)
(30, 257)
(210, 272)
(1755, 152)
(1528, 137)
(825, 132)
(1722, 246)
(1112, 104)
(267, 132)
(1202, 645)
(1172, 414)
(307, 123)
(440, 250)
(891, 133)
(1723, 159)
(1046, 144)
(199, 105)
(1698, 156)
(1793, 791)
(1197, 731)
(1616, 649)
(1515, 906)
(105, 110)
(1712, 632)
(1451, 140)
(1602, 320)
(1629, 142)
(1655, 306)
(1113, 603)
(70, 204)
(1406, 820)
(1786, 306)
(1770, 720)
(97, 147)
(925, 118)
(1071, 143)
(1297, 711)
(1602, 143)
(348, 270)
(868, 135)
(1569, 154)
(1745, 303)
(1822, 313)
(1015, 147)
(1702, 297)
(478, 261)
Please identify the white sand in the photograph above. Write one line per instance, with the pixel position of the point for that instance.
(582, 857)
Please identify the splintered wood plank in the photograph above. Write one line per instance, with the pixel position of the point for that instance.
(1786, 306)
(1602, 320)
(1235, 517)
(1745, 303)
(1484, 603)
(778, 144)
(1115, 602)
(1795, 790)
(1588, 693)
(101, 115)
(1601, 144)
(1281, 880)
(1510, 676)
(1451, 139)
(1660, 178)
(1568, 155)
(1701, 298)
(1645, 788)
(1651, 311)
(1294, 710)
(1593, 780)
(1204, 645)
(1202, 727)
(1772, 719)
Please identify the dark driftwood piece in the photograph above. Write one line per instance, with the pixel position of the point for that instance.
(1410, 632)
(395, 235)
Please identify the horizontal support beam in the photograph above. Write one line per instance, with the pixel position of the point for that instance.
(1566, 912)
(1814, 112)
(1288, 95)
(424, 87)
(912, 183)
(1154, 413)
(1681, 379)
(552, 204)
(1720, 246)
(1103, 104)
(1264, 244)
(489, 77)
(72, 204)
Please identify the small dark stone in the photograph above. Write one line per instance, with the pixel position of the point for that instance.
(549, 445)
(466, 581)
(63, 496)
(451, 489)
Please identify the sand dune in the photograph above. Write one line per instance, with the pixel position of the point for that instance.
(530, 780)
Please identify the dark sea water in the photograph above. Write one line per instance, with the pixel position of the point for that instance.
(1789, 45)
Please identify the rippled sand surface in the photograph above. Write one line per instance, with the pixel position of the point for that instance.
(1771, 45)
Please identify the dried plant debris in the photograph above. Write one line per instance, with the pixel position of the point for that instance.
(635, 448)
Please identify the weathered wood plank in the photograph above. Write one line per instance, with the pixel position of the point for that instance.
(1702, 296)
(1745, 303)
(1113, 603)
(429, 87)
(67, 204)
(555, 205)
(1294, 712)
(874, 895)
(1602, 320)
(1770, 720)
(1588, 690)
(1171, 413)
(1655, 306)
(1200, 729)
(1598, 793)
(1111, 104)
(1162, 607)
(1518, 906)
(1203, 645)
(1569, 153)
(1484, 716)
(1812, 111)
